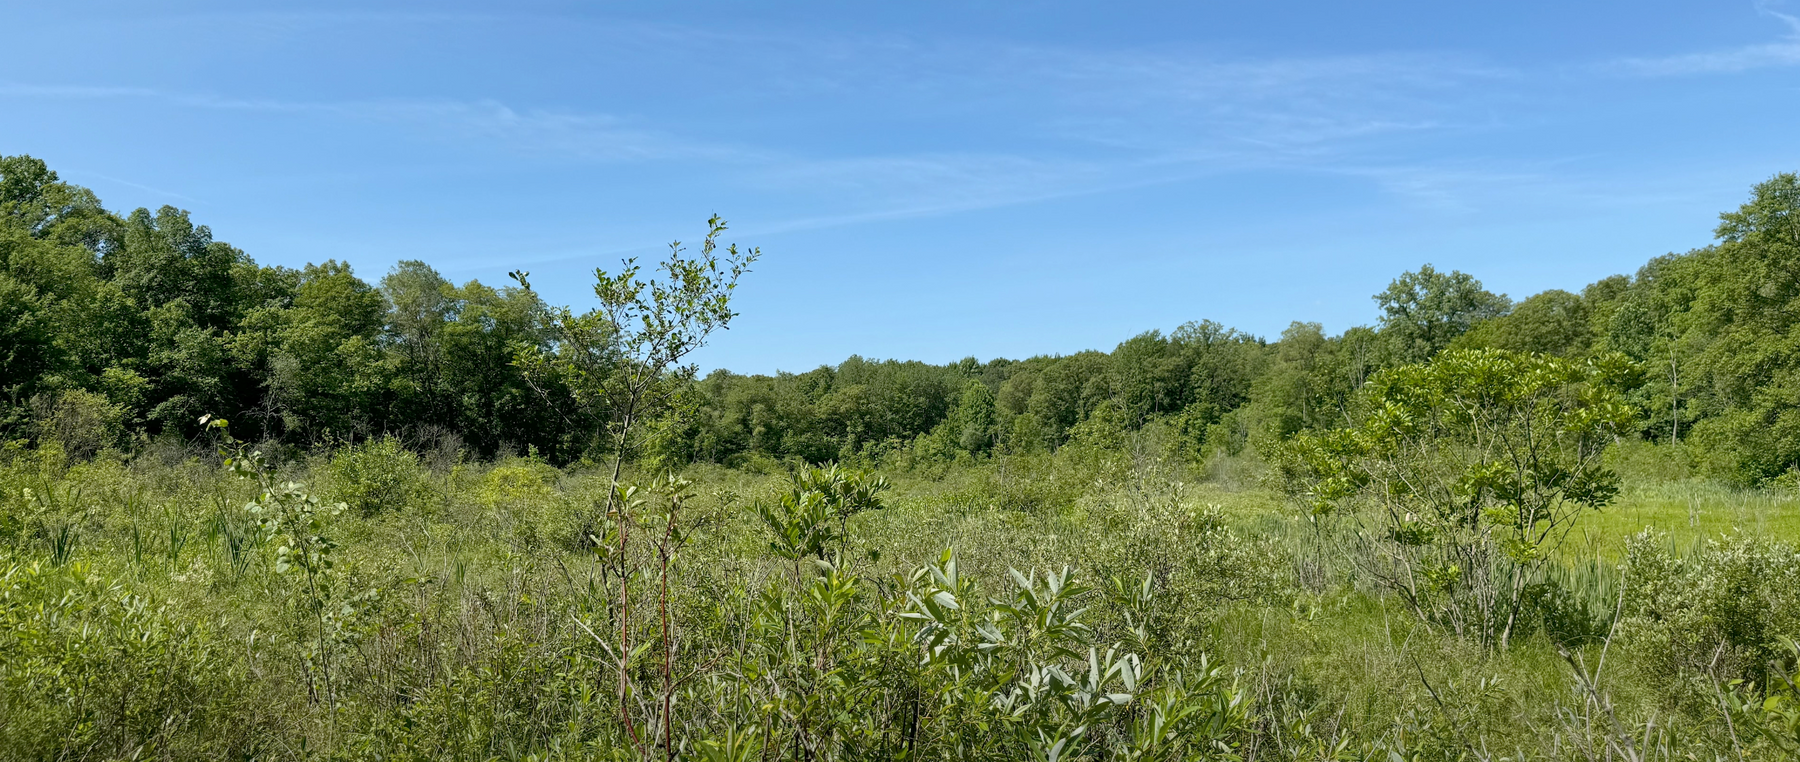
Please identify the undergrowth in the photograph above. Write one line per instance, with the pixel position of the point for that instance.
(1067, 606)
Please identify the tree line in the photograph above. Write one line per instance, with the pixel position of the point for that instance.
(117, 329)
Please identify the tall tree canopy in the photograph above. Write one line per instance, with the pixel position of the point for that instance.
(148, 321)
(1424, 311)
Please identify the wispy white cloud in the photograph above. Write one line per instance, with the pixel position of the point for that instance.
(1282, 102)
(1715, 62)
(925, 186)
(598, 137)
(1053, 122)
(1783, 52)
(78, 173)
(1560, 185)
(22, 90)
(562, 134)
(1098, 121)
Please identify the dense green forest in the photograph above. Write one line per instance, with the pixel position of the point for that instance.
(126, 328)
(252, 512)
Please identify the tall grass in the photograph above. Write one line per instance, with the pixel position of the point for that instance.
(142, 615)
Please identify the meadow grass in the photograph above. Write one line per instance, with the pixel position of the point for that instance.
(467, 620)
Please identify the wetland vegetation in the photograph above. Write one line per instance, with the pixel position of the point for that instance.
(251, 512)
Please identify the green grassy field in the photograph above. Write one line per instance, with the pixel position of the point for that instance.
(1692, 511)
(147, 614)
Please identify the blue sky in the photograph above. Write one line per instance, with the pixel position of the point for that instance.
(931, 180)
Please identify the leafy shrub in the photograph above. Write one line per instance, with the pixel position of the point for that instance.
(1721, 612)
(82, 423)
(1039, 483)
(1102, 430)
(90, 669)
(518, 484)
(1573, 605)
(380, 475)
(1462, 496)
(1772, 710)
(1026, 433)
(1148, 540)
(520, 495)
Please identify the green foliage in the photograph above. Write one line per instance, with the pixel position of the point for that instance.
(861, 409)
(517, 484)
(90, 667)
(620, 363)
(379, 475)
(1721, 612)
(1554, 323)
(294, 521)
(1093, 614)
(27, 339)
(168, 323)
(82, 423)
(973, 420)
(1102, 430)
(1310, 381)
(150, 311)
(811, 519)
(1776, 717)
(1472, 468)
(1072, 559)
(1744, 293)
(326, 370)
(1029, 659)
(1422, 312)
